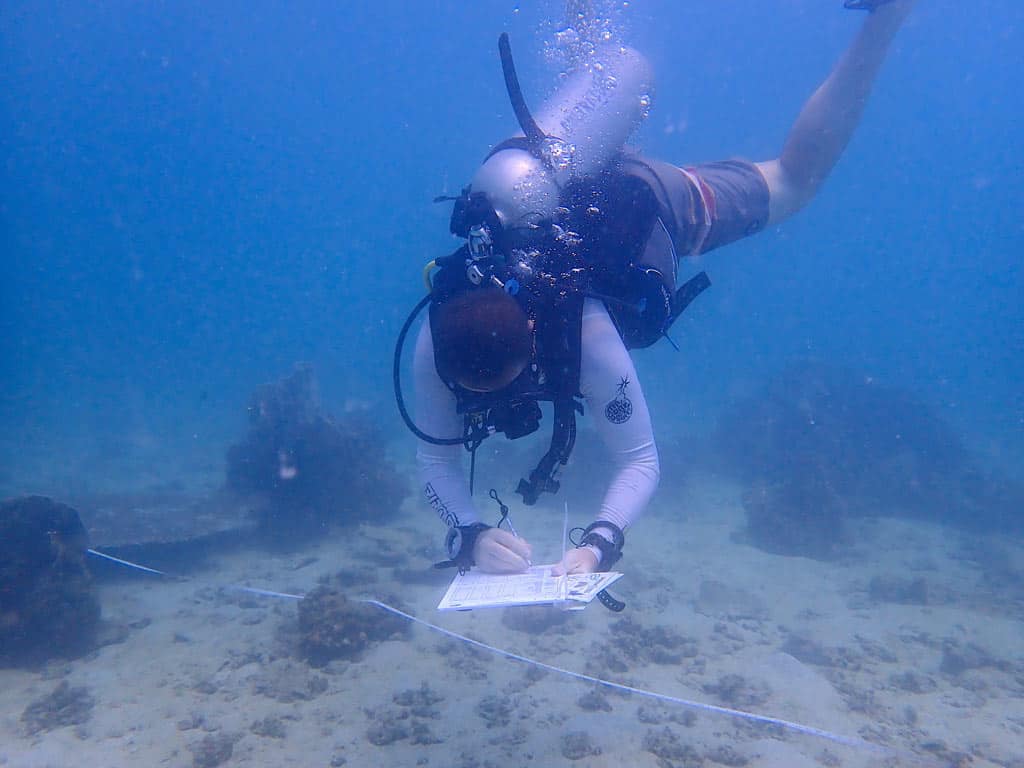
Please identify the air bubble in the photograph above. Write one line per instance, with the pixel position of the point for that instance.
(645, 105)
(566, 37)
(558, 153)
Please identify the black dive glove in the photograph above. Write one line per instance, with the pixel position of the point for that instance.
(460, 542)
(611, 551)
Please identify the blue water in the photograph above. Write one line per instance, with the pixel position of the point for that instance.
(196, 196)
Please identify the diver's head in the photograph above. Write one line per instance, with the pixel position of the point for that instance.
(482, 339)
(519, 188)
(579, 131)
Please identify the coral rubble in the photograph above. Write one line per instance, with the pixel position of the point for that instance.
(333, 627)
(63, 706)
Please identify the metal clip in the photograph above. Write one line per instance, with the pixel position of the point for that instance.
(479, 242)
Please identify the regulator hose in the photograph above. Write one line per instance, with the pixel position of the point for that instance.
(396, 375)
(534, 135)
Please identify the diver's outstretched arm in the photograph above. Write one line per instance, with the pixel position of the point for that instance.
(828, 119)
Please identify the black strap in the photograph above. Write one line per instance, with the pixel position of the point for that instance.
(463, 559)
(473, 436)
(611, 603)
(472, 467)
(563, 438)
(611, 553)
(686, 293)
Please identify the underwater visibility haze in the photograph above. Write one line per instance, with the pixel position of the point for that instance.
(215, 221)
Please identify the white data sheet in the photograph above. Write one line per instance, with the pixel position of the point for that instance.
(535, 587)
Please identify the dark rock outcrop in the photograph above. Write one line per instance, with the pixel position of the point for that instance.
(305, 469)
(48, 606)
(820, 444)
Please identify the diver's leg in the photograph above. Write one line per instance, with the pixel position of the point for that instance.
(828, 119)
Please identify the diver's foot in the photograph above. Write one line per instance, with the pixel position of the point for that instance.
(893, 11)
(864, 5)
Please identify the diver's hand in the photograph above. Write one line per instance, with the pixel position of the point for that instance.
(577, 560)
(498, 551)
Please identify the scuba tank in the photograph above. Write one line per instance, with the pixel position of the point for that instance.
(577, 132)
(514, 225)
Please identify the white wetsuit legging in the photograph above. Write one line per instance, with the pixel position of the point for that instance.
(613, 398)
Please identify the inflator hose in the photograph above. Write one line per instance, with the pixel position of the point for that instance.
(534, 135)
(396, 375)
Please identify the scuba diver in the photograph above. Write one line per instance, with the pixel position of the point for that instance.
(570, 257)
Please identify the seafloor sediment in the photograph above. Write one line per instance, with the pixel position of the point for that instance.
(911, 639)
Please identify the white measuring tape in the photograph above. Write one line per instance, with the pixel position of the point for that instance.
(749, 716)
(850, 741)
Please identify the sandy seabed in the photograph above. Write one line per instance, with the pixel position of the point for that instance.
(913, 640)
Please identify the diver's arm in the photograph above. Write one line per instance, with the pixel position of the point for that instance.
(828, 119)
(441, 473)
(616, 402)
